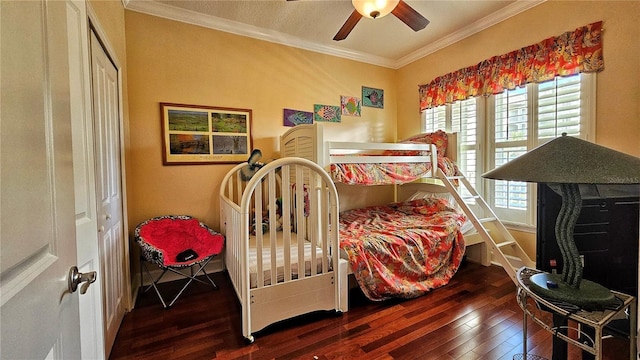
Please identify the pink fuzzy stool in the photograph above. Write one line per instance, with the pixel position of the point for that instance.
(174, 243)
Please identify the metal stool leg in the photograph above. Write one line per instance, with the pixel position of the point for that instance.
(193, 278)
(210, 280)
(190, 278)
(154, 283)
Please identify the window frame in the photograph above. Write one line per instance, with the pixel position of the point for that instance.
(485, 146)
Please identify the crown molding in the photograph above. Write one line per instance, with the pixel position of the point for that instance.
(191, 17)
(194, 18)
(484, 23)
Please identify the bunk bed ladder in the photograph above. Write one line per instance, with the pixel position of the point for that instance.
(503, 245)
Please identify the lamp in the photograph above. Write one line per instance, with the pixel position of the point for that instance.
(374, 9)
(567, 162)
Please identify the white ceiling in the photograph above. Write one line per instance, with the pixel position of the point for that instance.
(311, 24)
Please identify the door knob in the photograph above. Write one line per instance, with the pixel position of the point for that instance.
(76, 278)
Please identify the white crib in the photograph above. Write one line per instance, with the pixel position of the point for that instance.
(289, 265)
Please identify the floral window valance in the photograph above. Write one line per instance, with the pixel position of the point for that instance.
(570, 53)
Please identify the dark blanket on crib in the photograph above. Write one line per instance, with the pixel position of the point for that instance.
(403, 249)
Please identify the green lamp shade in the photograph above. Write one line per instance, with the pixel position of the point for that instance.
(569, 160)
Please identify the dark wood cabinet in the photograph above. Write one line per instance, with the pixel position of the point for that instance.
(606, 234)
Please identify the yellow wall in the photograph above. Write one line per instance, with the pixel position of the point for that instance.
(174, 62)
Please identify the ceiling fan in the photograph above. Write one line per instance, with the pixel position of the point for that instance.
(374, 9)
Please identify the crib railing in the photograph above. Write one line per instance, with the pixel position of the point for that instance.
(230, 224)
(288, 206)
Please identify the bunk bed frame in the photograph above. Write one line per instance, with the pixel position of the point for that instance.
(494, 240)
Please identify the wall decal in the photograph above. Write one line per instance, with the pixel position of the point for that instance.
(296, 117)
(350, 105)
(328, 113)
(372, 97)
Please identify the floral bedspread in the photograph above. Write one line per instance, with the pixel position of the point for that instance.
(403, 249)
(387, 173)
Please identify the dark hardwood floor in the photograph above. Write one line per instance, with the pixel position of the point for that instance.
(474, 317)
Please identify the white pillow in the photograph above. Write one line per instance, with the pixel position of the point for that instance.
(431, 195)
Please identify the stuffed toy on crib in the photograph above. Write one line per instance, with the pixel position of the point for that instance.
(264, 224)
(279, 220)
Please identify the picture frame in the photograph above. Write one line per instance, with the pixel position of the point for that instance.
(198, 134)
(372, 97)
(351, 105)
(327, 113)
(293, 117)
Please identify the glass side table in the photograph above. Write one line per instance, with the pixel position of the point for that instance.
(543, 312)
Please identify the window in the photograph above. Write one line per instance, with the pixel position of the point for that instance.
(496, 129)
(460, 117)
(510, 134)
(435, 118)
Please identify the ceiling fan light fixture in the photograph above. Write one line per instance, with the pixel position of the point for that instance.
(374, 9)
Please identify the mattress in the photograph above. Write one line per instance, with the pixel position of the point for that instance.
(309, 253)
(387, 173)
(403, 249)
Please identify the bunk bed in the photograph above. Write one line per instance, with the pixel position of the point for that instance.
(420, 244)
(281, 254)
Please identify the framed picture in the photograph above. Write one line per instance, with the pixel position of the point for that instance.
(296, 117)
(350, 105)
(372, 97)
(194, 134)
(328, 113)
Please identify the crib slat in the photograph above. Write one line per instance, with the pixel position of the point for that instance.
(300, 224)
(238, 194)
(285, 191)
(313, 221)
(257, 205)
(324, 218)
(271, 205)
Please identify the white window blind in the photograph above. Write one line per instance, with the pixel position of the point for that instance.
(495, 130)
(460, 117)
(434, 119)
(559, 108)
(464, 121)
(511, 129)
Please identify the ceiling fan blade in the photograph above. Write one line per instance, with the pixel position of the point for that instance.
(409, 16)
(348, 26)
